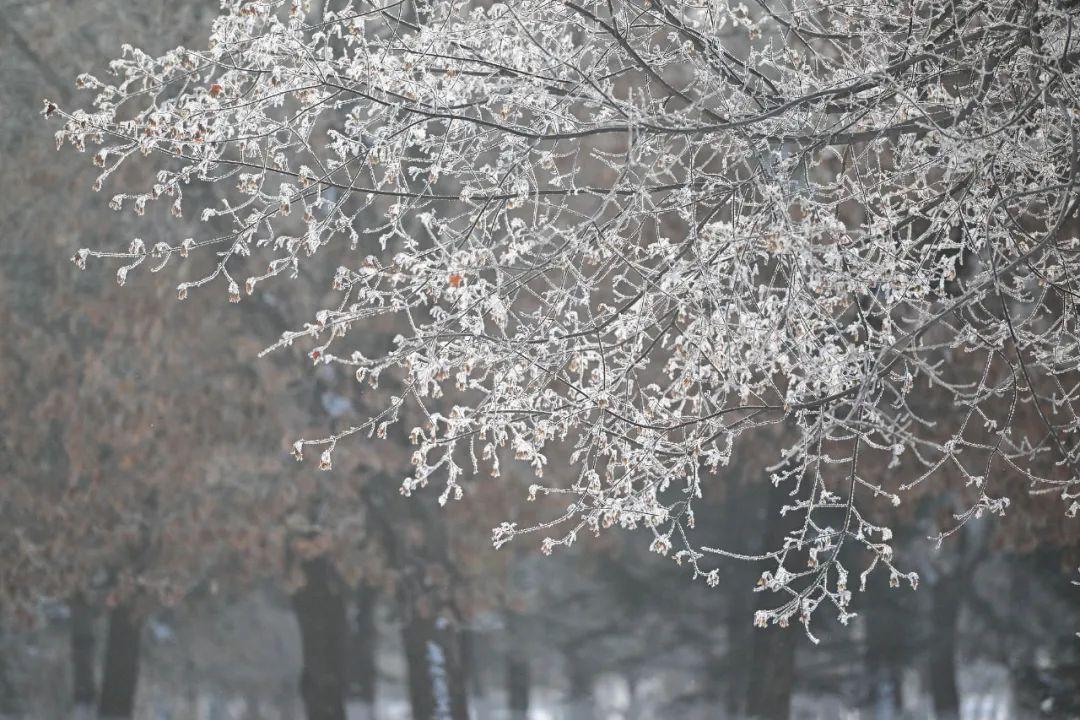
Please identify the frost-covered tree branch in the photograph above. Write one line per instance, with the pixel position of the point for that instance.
(647, 231)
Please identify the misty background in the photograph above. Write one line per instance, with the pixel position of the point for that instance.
(156, 537)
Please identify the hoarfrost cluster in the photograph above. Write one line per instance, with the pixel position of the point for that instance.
(637, 234)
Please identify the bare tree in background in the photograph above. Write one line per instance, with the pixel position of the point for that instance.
(643, 232)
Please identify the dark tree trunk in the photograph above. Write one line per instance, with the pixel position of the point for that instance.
(946, 597)
(470, 648)
(121, 673)
(885, 652)
(433, 650)
(633, 710)
(715, 679)
(9, 702)
(517, 685)
(772, 649)
(772, 675)
(944, 621)
(83, 683)
(517, 677)
(726, 675)
(362, 650)
(579, 697)
(431, 627)
(320, 612)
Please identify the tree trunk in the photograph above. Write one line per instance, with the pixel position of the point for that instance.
(362, 650)
(83, 683)
(885, 680)
(579, 699)
(320, 612)
(772, 649)
(121, 674)
(885, 652)
(885, 696)
(416, 542)
(633, 709)
(9, 703)
(726, 674)
(772, 673)
(517, 685)
(433, 651)
(715, 677)
(944, 620)
(946, 597)
(414, 537)
(470, 649)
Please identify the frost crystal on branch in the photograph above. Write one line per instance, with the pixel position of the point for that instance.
(645, 233)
